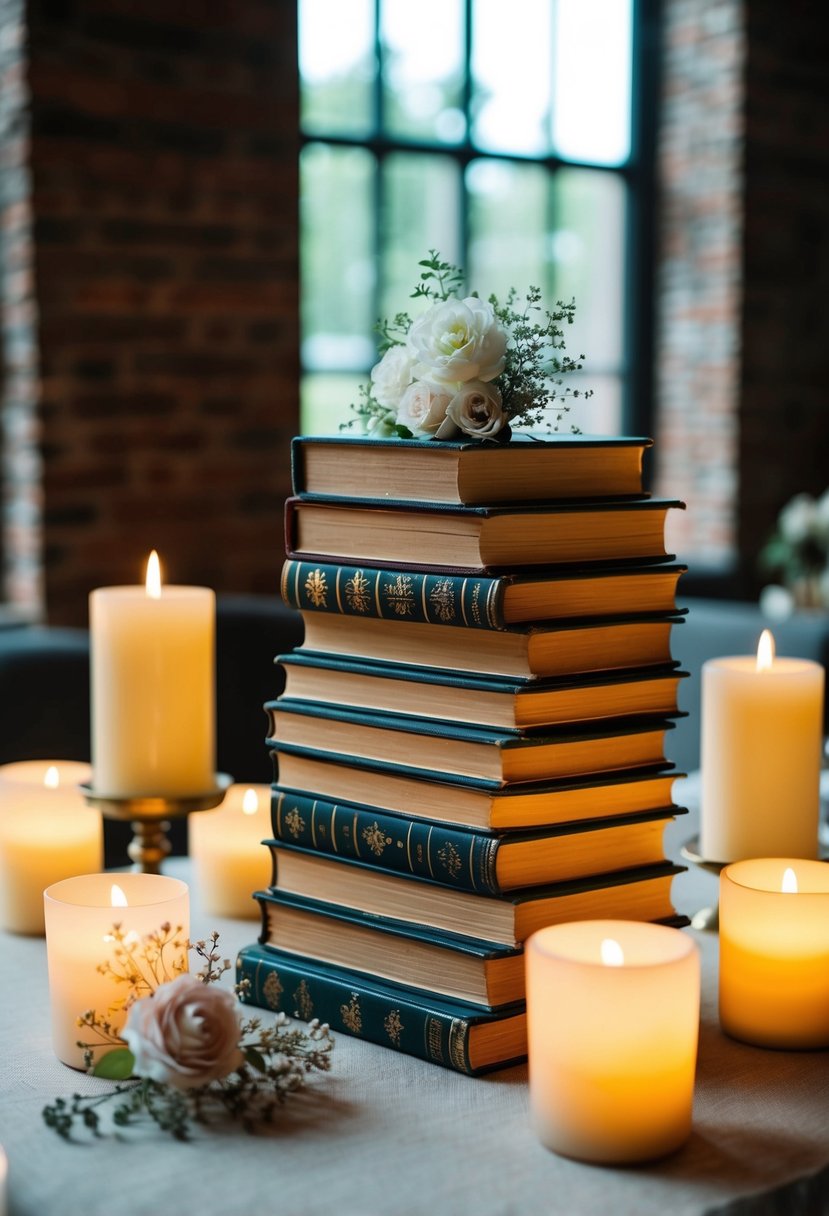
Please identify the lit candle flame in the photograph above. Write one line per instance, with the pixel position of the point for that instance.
(250, 802)
(52, 778)
(765, 651)
(612, 953)
(789, 884)
(117, 898)
(153, 583)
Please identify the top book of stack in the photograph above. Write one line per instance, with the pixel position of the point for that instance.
(469, 473)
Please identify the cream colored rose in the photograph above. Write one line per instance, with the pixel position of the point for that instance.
(423, 407)
(458, 340)
(391, 375)
(185, 1034)
(477, 409)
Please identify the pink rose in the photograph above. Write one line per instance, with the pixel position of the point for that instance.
(477, 409)
(185, 1034)
(423, 407)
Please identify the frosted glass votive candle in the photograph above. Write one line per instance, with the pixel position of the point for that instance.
(229, 858)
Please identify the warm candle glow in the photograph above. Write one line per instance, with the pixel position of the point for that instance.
(789, 884)
(250, 803)
(153, 582)
(51, 778)
(117, 897)
(612, 953)
(765, 651)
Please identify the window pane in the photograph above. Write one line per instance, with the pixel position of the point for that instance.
(511, 72)
(421, 211)
(588, 250)
(600, 414)
(336, 63)
(324, 403)
(508, 210)
(423, 47)
(337, 250)
(592, 70)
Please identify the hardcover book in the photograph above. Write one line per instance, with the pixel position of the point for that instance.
(431, 1027)
(476, 804)
(483, 700)
(562, 648)
(440, 746)
(483, 862)
(562, 466)
(480, 602)
(476, 539)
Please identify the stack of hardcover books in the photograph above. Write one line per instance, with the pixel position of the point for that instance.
(471, 740)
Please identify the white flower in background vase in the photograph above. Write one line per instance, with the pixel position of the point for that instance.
(798, 519)
(822, 519)
(477, 409)
(457, 341)
(423, 407)
(392, 375)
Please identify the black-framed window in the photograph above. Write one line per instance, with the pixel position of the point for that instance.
(515, 138)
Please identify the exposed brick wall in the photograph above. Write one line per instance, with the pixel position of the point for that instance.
(164, 185)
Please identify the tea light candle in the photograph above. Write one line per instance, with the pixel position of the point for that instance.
(774, 952)
(153, 696)
(613, 1023)
(47, 832)
(229, 858)
(761, 747)
(80, 914)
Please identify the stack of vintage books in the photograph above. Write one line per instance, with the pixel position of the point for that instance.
(471, 740)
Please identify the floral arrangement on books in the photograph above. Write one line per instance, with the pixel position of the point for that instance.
(797, 555)
(185, 1051)
(468, 367)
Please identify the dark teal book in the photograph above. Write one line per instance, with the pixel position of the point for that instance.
(506, 702)
(485, 862)
(469, 802)
(479, 602)
(472, 969)
(478, 540)
(433, 1028)
(437, 745)
(641, 893)
(529, 467)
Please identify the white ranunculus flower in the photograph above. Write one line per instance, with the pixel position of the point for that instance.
(423, 407)
(186, 1034)
(798, 519)
(391, 376)
(477, 409)
(458, 340)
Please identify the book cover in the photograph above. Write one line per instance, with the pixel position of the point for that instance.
(478, 602)
(432, 1027)
(462, 859)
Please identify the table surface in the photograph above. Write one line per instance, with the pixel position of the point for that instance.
(387, 1135)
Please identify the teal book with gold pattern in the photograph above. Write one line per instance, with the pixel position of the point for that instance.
(416, 1023)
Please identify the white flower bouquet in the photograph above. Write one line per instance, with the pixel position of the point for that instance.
(797, 554)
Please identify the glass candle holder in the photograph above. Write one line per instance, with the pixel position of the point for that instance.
(774, 952)
(613, 1024)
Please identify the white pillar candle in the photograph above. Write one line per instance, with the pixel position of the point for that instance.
(774, 952)
(228, 855)
(80, 914)
(4, 1176)
(47, 832)
(762, 722)
(613, 1022)
(153, 694)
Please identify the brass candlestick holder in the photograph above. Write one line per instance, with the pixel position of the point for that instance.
(150, 817)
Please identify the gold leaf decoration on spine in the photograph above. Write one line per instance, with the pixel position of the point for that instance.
(442, 597)
(450, 859)
(303, 1005)
(272, 990)
(294, 822)
(358, 592)
(457, 1044)
(376, 839)
(400, 595)
(316, 588)
(393, 1026)
(352, 1015)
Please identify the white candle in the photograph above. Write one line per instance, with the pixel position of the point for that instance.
(613, 1022)
(47, 832)
(228, 855)
(4, 1175)
(80, 914)
(762, 722)
(774, 952)
(153, 696)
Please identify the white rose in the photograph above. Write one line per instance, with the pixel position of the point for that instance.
(423, 407)
(185, 1034)
(458, 340)
(477, 409)
(391, 375)
(798, 519)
